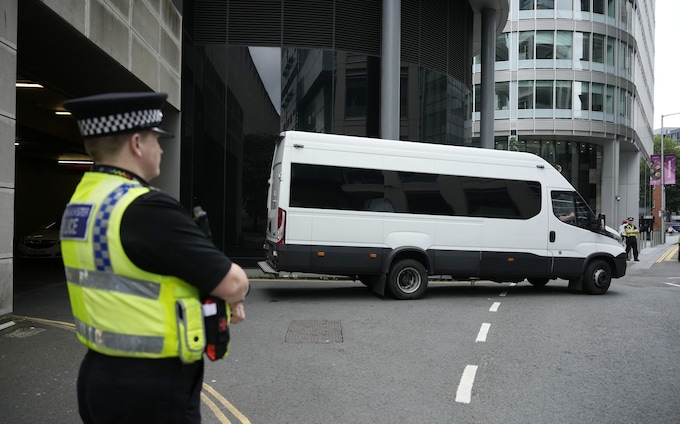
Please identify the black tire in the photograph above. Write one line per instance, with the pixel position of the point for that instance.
(597, 277)
(538, 282)
(407, 279)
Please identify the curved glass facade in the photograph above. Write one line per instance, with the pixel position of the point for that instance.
(567, 88)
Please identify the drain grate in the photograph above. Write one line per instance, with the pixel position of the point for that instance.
(314, 331)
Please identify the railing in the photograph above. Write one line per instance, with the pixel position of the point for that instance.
(650, 239)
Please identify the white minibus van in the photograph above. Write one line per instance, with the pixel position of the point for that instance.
(391, 213)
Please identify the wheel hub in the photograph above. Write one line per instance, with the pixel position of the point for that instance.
(408, 280)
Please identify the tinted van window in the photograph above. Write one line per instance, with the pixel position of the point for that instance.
(344, 188)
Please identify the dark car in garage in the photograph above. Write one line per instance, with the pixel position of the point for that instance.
(41, 243)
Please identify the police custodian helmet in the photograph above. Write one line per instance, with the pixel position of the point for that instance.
(114, 113)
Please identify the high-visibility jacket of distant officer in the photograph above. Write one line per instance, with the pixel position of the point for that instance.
(631, 232)
(163, 313)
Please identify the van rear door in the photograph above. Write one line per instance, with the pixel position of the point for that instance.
(275, 218)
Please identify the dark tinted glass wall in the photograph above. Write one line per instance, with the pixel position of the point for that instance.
(229, 125)
(332, 84)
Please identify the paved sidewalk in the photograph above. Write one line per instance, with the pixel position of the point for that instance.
(40, 354)
(649, 255)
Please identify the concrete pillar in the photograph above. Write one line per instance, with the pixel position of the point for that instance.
(612, 197)
(486, 118)
(390, 69)
(629, 185)
(168, 181)
(8, 104)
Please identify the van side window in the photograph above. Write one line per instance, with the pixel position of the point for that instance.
(569, 207)
(344, 188)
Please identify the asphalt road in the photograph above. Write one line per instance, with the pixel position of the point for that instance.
(332, 352)
(484, 354)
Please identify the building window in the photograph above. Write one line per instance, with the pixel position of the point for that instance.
(564, 5)
(609, 100)
(544, 94)
(502, 52)
(563, 45)
(598, 48)
(355, 106)
(623, 50)
(525, 94)
(478, 98)
(544, 45)
(629, 60)
(403, 95)
(582, 45)
(502, 95)
(598, 6)
(622, 104)
(582, 101)
(563, 95)
(545, 4)
(526, 45)
(611, 42)
(597, 97)
(623, 16)
(611, 8)
(526, 4)
(585, 5)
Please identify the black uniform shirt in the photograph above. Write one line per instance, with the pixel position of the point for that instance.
(159, 235)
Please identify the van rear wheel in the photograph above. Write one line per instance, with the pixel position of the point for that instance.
(407, 279)
(597, 277)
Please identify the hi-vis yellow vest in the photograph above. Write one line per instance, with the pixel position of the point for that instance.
(120, 309)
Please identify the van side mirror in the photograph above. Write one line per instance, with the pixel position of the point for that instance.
(600, 224)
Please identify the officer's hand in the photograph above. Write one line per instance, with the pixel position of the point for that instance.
(238, 312)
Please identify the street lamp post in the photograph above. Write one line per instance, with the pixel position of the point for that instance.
(663, 181)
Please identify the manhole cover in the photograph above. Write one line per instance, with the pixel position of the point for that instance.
(314, 331)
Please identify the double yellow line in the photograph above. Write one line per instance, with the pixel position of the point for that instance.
(206, 387)
(216, 409)
(668, 254)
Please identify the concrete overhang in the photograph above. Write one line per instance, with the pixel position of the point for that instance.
(502, 8)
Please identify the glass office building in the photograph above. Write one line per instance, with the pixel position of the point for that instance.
(574, 84)
(329, 56)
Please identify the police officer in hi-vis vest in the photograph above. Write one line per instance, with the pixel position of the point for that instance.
(137, 266)
(630, 232)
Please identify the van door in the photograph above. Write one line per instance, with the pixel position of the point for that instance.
(569, 237)
(274, 216)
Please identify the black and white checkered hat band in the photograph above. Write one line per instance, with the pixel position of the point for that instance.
(120, 122)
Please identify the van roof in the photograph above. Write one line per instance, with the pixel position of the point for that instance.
(416, 149)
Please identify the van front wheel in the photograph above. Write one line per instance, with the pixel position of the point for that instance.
(407, 279)
(597, 277)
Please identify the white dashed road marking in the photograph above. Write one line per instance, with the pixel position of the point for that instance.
(464, 392)
(494, 307)
(673, 284)
(481, 336)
